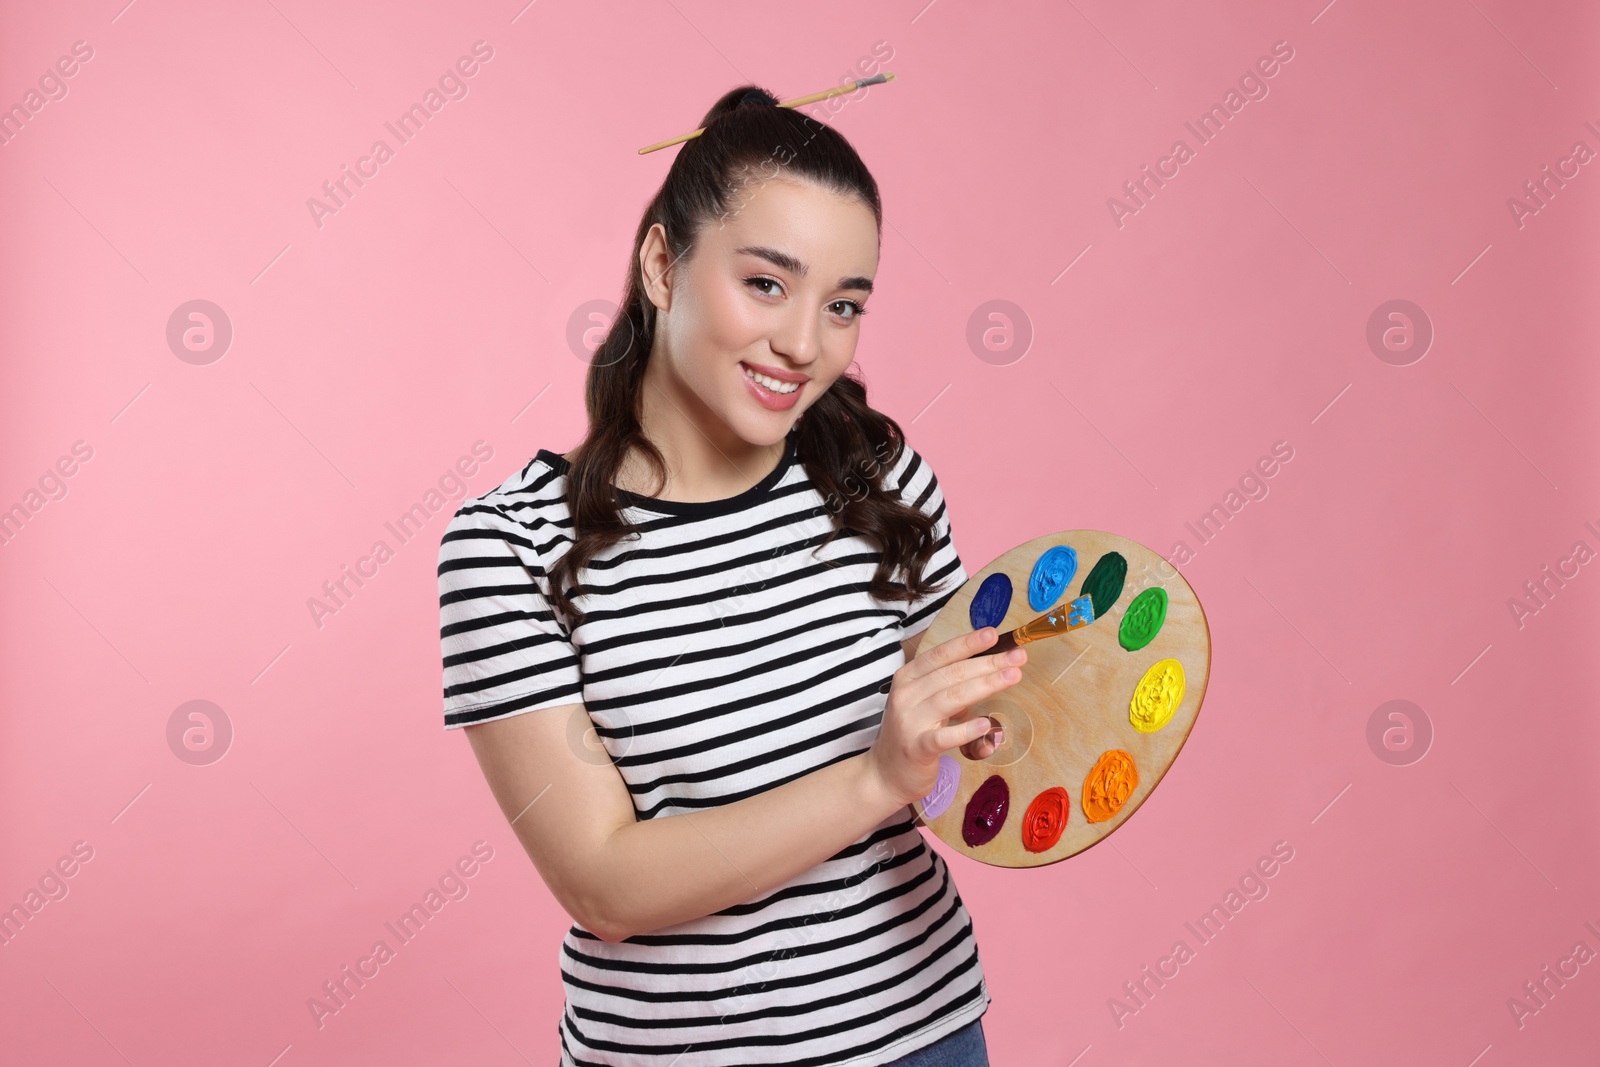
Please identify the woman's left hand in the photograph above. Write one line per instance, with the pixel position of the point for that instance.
(984, 746)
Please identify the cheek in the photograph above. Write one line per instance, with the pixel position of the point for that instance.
(712, 332)
(838, 352)
(725, 319)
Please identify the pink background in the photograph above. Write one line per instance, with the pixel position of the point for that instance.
(432, 312)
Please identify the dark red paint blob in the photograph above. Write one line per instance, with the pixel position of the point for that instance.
(986, 812)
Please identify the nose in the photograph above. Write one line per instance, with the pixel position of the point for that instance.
(798, 336)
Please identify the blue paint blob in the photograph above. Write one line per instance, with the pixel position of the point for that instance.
(1050, 576)
(992, 601)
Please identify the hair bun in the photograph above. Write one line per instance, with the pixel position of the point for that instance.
(758, 96)
(739, 98)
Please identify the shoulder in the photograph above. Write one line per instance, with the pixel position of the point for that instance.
(913, 477)
(528, 509)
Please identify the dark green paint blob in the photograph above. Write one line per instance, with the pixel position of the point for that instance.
(1143, 619)
(1104, 583)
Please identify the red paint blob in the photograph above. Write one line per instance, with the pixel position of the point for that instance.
(1046, 817)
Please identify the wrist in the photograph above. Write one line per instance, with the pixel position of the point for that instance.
(872, 791)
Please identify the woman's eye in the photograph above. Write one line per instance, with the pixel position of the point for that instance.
(760, 281)
(855, 310)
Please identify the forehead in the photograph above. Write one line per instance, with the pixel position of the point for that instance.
(833, 234)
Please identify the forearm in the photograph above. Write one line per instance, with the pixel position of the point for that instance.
(664, 871)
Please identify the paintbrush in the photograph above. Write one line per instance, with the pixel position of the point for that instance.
(1072, 615)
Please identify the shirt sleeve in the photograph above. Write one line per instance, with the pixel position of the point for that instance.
(920, 488)
(505, 651)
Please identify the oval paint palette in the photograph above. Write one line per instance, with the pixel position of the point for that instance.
(1101, 711)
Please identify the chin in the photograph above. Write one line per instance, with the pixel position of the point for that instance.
(764, 431)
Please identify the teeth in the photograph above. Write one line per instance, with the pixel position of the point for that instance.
(772, 383)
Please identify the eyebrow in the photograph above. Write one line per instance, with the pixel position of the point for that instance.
(789, 263)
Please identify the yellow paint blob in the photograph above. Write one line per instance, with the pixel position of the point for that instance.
(1157, 696)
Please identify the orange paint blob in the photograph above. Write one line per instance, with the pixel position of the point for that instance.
(1046, 817)
(1110, 783)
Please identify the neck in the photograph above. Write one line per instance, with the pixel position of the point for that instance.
(706, 459)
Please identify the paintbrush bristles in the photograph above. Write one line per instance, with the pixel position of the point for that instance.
(876, 79)
(1060, 619)
(799, 101)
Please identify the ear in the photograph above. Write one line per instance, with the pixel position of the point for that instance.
(655, 263)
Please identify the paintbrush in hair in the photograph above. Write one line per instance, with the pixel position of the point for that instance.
(799, 101)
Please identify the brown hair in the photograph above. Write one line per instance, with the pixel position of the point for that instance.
(847, 448)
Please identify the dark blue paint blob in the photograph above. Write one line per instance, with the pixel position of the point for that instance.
(1050, 576)
(992, 601)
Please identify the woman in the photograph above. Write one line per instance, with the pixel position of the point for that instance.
(727, 581)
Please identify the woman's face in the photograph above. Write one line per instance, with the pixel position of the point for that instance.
(773, 288)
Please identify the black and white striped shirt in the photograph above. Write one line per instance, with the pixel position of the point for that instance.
(720, 657)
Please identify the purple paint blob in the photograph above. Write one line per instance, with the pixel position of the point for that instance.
(944, 789)
(992, 601)
(986, 812)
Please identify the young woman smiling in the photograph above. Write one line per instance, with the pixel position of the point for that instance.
(685, 653)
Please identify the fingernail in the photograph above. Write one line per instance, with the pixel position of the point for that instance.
(1015, 655)
(999, 736)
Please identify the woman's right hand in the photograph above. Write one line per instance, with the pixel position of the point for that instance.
(926, 713)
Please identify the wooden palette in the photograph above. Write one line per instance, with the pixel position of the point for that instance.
(1072, 706)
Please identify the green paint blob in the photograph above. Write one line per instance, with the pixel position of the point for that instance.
(1104, 583)
(1143, 619)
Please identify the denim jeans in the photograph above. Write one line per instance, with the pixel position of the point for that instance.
(962, 1048)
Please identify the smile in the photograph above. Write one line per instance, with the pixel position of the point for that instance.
(771, 383)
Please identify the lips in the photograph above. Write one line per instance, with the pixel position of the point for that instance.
(768, 396)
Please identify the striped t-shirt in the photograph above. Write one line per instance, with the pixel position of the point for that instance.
(720, 657)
